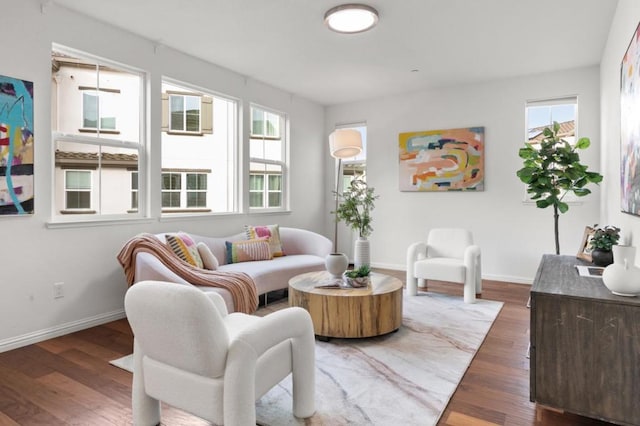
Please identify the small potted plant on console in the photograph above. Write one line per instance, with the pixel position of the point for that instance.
(603, 239)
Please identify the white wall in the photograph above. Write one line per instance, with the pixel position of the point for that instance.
(623, 27)
(35, 256)
(513, 236)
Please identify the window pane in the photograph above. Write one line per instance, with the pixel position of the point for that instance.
(78, 199)
(177, 112)
(257, 122)
(78, 180)
(193, 113)
(274, 199)
(89, 110)
(256, 183)
(196, 199)
(255, 199)
(134, 180)
(275, 183)
(197, 181)
(273, 125)
(170, 199)
(171, 181)
(108, 123)
(134, 200)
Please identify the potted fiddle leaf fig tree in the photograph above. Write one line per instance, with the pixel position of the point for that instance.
(356, 204)
(552, 170)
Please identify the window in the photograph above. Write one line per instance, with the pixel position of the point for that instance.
(134, 190)
(543, 113)
(268, 165)
(182, 190)
(265, 190)
(98, 110)
(98, 133)
(185, 113)
(77, 186)
(192, 150)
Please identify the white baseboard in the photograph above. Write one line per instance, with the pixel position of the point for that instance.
(59, 330)
(504, 278)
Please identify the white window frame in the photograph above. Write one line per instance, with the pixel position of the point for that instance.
(569, 198)
(98, 140)
(184, 191)
(282, 135)
(184, 113)
(198, 190)
(135, 190)
(67, 190)
(104, 96)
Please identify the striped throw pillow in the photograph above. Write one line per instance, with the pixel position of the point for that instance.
(248, 250)
(270, 232)
(185, 248)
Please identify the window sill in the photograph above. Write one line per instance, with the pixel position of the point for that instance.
(95, 221)
(165, 211)
(106, 132)
(77, 212)
(179, 133)
(268, 211)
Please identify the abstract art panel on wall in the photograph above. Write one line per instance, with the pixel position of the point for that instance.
(442, 160)
(630, 127)
(16, 146)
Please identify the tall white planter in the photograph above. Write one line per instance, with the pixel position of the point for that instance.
(361, 253)
(622, 277)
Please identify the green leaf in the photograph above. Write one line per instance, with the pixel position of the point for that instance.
(583, 143)
(541, 204)
(556, 127)
(581, 192)
(563, 207)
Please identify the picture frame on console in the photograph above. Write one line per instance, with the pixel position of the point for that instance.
(585, 250)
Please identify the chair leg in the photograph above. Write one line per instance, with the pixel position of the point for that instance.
(145, 410)
(304, 374)
(412, 285)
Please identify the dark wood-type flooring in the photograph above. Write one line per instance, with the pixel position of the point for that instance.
(68, 380)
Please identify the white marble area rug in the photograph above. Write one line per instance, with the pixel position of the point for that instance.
(402, 378)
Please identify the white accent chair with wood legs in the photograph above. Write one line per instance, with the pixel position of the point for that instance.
(191, 354)
(448, 255)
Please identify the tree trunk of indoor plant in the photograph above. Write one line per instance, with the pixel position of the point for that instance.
(555, 224)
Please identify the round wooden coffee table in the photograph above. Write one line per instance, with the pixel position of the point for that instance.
(349, 312)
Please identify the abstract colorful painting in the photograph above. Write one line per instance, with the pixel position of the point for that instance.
(16, 146)
(630, 127)
(442, 160)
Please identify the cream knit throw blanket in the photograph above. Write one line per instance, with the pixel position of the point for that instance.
(240, 285)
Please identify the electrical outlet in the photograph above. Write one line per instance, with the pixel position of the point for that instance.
(58, 290)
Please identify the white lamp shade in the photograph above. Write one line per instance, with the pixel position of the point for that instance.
(345, 143)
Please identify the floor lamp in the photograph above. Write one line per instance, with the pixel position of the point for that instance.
(343, 143)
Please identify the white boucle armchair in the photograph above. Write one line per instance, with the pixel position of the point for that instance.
(448, 255)
(190, 353)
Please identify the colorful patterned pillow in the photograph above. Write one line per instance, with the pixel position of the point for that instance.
(185, 248)
(248, 250)
(272, 232)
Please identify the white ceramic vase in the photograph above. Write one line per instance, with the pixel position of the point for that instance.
(622, 277)
(361, 253)
(336, 264)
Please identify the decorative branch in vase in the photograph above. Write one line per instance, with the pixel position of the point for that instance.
(357, 203)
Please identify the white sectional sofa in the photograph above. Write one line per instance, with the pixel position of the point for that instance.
(305, 251)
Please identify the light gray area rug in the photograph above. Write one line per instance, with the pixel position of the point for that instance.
(406, 377)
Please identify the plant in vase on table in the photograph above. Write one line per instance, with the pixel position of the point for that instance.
(603, 239)
(358, 277)
(357, 203)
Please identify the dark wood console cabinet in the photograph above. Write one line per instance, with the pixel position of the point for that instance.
(585, 344)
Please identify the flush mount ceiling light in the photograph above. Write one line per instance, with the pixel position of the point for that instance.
(351, 18)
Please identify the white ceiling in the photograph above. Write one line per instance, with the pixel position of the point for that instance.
(285, 43)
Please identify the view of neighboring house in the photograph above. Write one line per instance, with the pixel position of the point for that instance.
(97, 109)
